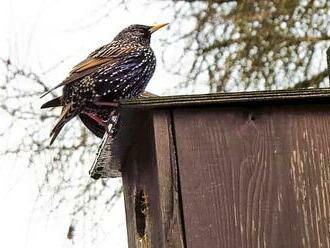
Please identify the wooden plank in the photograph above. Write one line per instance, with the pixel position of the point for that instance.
(152, 199)
(140, 187)
(255, 177)
(130, 119)
(168, 181)
(111, 152)
(253, 97)
(104, 165)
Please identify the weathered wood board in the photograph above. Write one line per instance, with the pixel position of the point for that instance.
(255, 177)
(150, 186)
(227, 170)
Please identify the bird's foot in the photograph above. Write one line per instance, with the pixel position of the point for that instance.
(98, 120)
(108, 125)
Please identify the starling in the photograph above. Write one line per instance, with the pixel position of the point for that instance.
(118, 70)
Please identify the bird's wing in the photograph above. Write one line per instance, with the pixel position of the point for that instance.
(99, 57)
(104, 55)
(127, 77)
(88, 63)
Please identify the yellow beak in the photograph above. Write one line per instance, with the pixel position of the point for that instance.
(154, 28)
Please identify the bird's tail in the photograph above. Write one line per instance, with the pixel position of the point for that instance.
(67, 114)
(56, 102)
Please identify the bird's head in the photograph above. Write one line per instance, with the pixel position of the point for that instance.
(138, 33)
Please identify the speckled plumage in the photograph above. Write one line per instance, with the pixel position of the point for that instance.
(120, 69)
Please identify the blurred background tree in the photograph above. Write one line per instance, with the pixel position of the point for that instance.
(253, 45)
(213, 46)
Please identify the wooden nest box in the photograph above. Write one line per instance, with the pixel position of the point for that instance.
(226, 170)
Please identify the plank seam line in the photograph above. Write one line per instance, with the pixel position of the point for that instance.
(173, 133)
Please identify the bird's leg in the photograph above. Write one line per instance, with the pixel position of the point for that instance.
(98, 120)
(102, 122)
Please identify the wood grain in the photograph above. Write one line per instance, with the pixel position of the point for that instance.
(170, 204)
(150, 169)
(255, 176)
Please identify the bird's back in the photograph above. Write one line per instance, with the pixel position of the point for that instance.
(124, 76)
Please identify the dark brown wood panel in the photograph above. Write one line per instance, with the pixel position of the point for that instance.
(232, 98)
(136, 168)
(255, 177)
(169, 192)
(150, 186)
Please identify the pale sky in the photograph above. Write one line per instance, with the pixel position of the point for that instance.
(38, 34)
